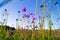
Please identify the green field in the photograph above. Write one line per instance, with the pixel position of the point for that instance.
(17, 34)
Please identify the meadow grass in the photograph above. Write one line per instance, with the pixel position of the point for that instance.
(25, 35)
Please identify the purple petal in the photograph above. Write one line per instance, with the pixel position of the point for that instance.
(25, 15)
(31, 13)
(24, 9)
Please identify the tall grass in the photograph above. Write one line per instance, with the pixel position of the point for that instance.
(25, 35)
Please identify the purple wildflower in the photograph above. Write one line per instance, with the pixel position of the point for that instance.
(24, 9)
(28, 15)
(25, 15)
(31, 13)
(20, 19)
(33, 19)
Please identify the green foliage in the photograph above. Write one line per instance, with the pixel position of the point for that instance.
(21, 35)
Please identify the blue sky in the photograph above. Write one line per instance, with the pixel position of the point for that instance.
(15, 5)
